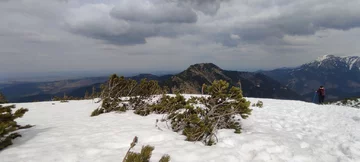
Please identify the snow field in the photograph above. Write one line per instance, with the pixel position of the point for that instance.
(280, 131)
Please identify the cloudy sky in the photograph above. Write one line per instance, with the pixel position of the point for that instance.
(38, 36)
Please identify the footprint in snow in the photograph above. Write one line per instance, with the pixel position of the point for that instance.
(356, 118)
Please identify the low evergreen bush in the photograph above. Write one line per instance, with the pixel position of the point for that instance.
(8, 125)
(198, 118)
(259, 104)
(168, 104)
(144, 155)
(121, 94)
(2, 99)
(219, 111)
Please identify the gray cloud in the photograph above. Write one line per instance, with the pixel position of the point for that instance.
(131, 21)
(294, 18)
(150, 35)
(209, 7)
(94, 20)
(153, 12)
(310, 20)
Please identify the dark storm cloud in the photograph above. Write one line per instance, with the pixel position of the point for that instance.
(160, 12)
(136, 20)
(309, 21)
(295, 19)
(131, 21)
(38, 35)
(206, 6)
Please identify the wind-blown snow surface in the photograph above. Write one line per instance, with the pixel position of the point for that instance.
(280, 131)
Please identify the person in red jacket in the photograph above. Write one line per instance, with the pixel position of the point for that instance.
(321, 94)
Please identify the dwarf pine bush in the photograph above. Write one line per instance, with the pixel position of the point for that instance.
(198, 118)
(168, 104)
(2, 98)
(219, 111)
(8, 125)
(259, 104)
(144, 155)
(121, 94)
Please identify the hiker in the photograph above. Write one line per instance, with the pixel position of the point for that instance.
(321, 94)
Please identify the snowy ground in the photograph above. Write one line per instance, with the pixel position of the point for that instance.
(290, 131)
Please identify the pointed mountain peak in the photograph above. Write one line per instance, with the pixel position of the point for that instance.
(204, 66)
(325, 57)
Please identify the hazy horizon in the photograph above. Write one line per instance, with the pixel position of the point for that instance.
(54, 76)
(59, 75)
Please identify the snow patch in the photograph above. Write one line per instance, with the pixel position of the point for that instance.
(280, 131)
(350, 61)
(322, 58)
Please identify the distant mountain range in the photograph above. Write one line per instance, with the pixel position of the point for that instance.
(192, 79)
(30, 91)
(188, 81)
(339, 75)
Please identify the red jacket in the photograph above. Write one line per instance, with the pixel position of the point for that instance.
(321, 91)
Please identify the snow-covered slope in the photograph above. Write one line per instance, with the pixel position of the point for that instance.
(280, 131)
(348, 61)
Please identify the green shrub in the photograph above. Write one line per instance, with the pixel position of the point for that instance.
(2, 99)
(8, 125)
(168, 104)
(137, 95)
(144, 155)
(219, 112)
(259, 104)
(345, 101)
(198, 118)
(165, 158)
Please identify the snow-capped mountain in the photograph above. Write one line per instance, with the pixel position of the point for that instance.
(339, 75)
(281, 131)
(334, 62)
